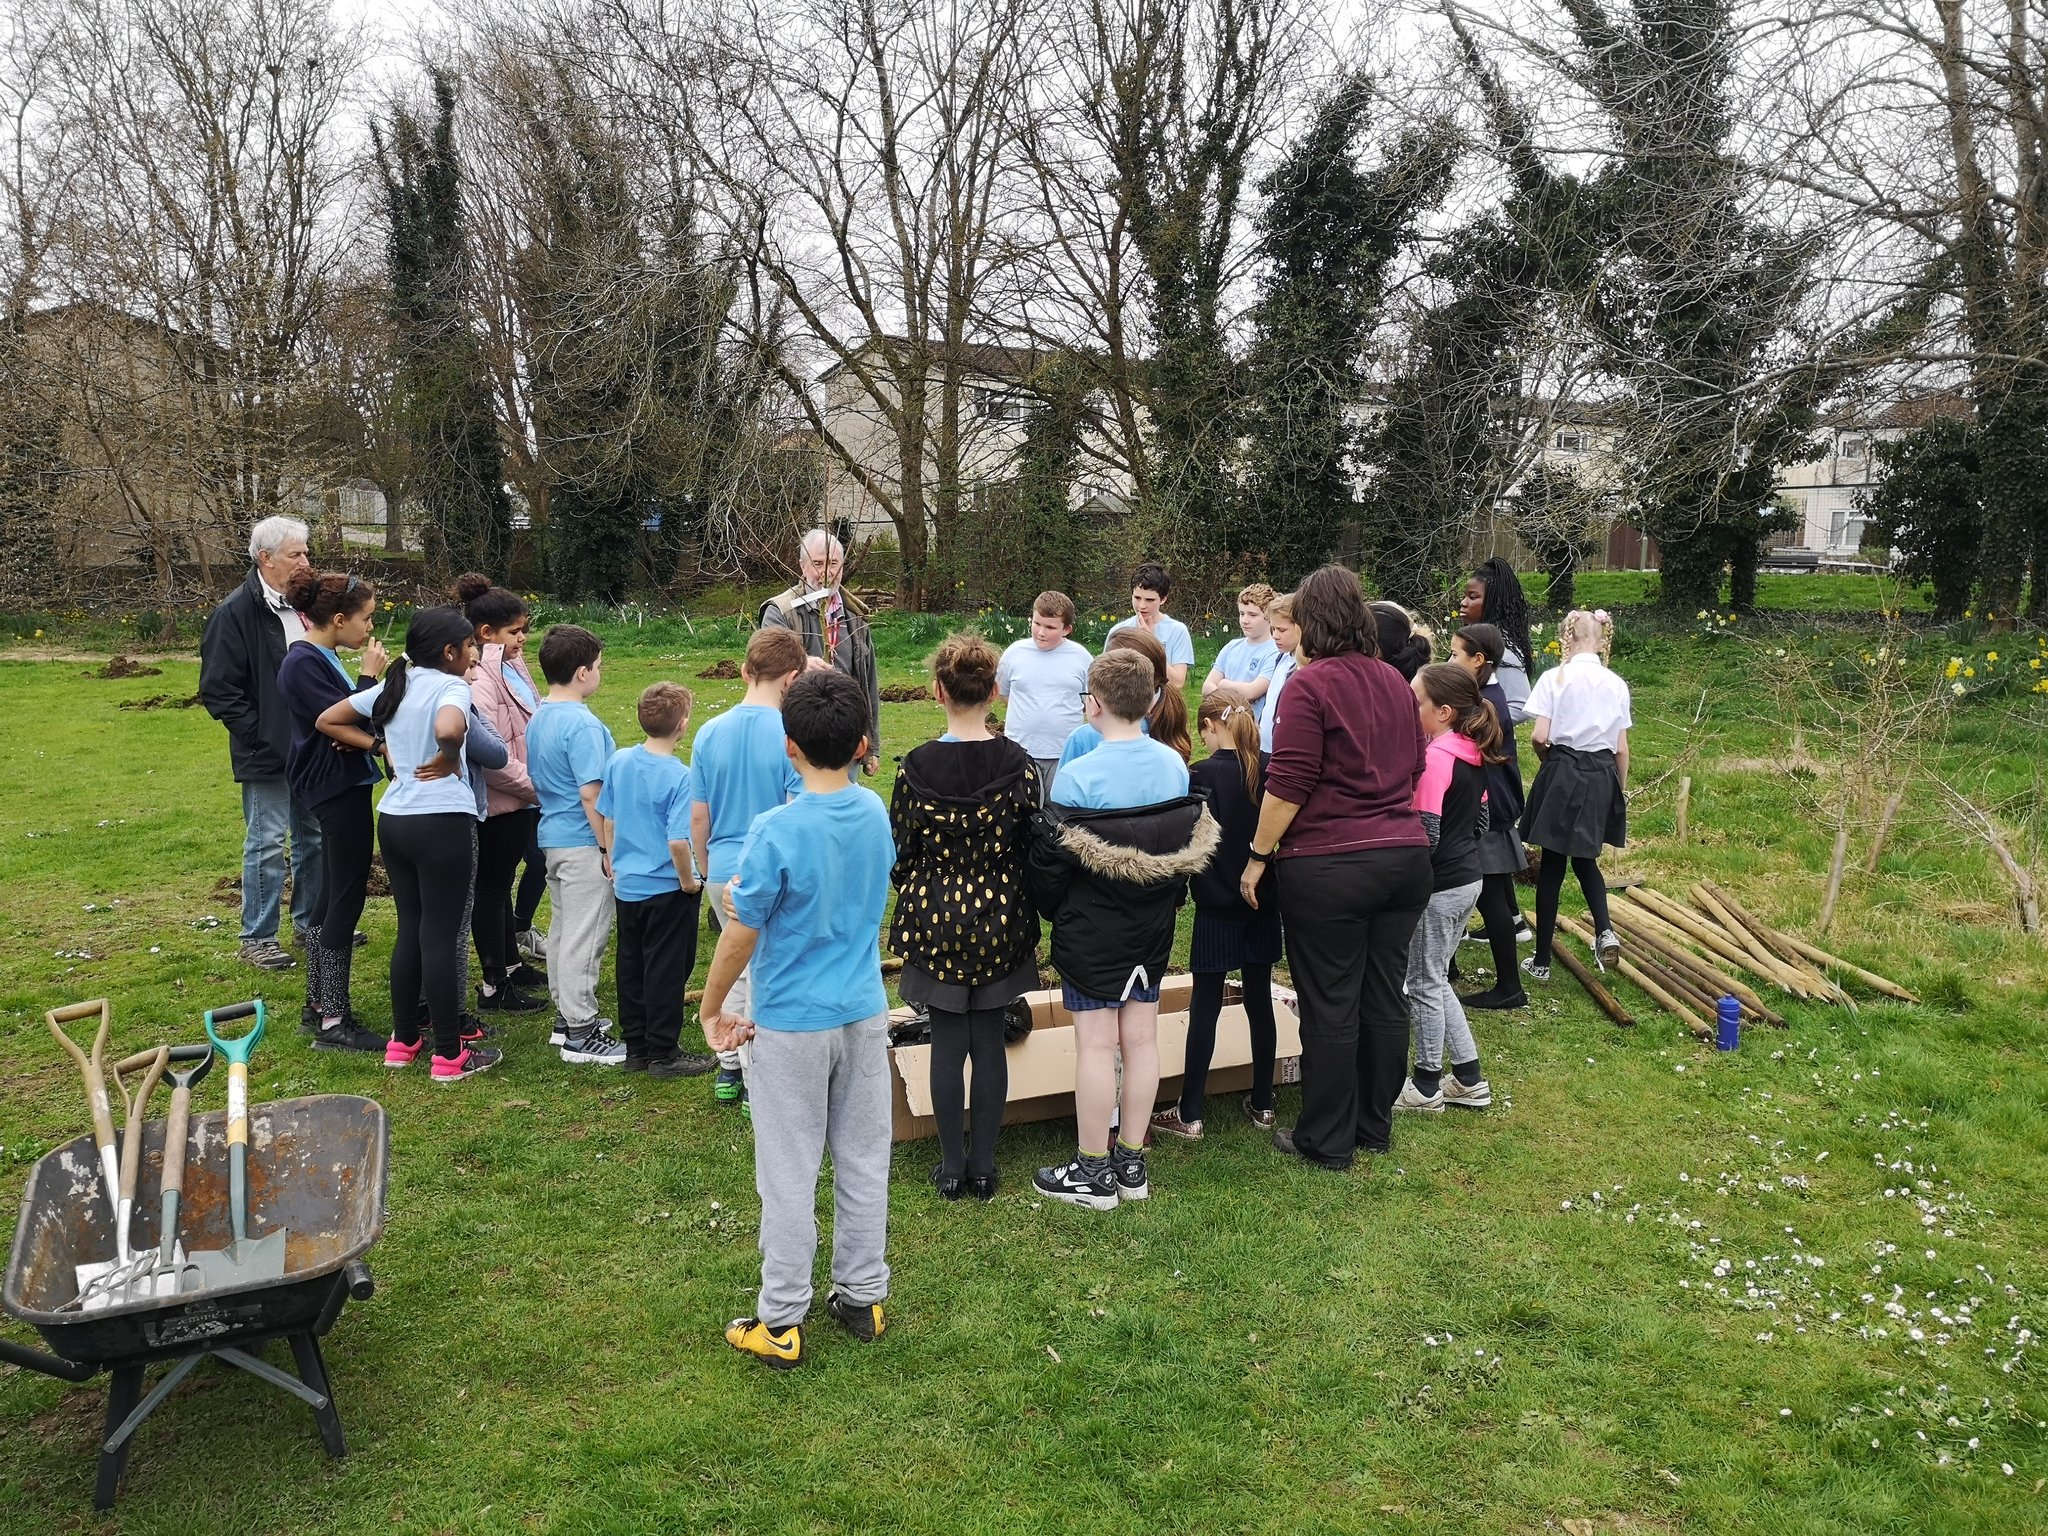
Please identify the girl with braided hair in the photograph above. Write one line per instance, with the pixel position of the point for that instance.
(1493, 595)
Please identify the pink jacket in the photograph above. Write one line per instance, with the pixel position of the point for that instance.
(510, 789)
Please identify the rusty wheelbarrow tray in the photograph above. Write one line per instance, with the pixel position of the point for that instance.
(318, 1169)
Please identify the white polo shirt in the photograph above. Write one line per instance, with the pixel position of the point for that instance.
(286, 615)
(1586, 704)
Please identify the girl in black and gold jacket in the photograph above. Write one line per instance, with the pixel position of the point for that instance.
(965, 926)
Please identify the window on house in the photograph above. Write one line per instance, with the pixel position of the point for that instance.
(1852, 447)
(1003, 407)
(1571, 442)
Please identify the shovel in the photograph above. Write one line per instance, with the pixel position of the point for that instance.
(246, 1259)
(173, 1271)
(93, 1068)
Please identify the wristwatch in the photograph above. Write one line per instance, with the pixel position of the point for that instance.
(1263, 858)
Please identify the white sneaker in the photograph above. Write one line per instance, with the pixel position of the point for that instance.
(1414, 1098)
(594, 1047)
(1524, 934)
(1458, 1096)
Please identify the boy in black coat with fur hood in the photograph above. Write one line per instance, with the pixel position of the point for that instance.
(1110, 862)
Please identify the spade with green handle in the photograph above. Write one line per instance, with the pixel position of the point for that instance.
(246, 1259)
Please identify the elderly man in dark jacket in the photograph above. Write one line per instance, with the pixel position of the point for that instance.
(832, 625)
(239, 656)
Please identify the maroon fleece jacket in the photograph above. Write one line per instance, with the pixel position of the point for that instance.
(1348, 750)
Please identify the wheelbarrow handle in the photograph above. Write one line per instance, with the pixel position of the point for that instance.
(90, 1066)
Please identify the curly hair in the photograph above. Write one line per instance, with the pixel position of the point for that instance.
(1505, 607)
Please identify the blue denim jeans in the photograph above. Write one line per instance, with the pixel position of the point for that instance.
(269, 812)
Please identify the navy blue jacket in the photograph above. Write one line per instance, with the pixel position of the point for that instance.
(317, 766)
(1503, 780)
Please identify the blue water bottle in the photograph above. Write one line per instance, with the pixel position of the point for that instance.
(1731, 1025)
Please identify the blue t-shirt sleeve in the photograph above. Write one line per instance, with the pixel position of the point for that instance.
(589, 752)
(1075, 747)
(679, 808)
(362, 703)
(758, 879)
(604, 797)
(1180, 646)
(700, 771)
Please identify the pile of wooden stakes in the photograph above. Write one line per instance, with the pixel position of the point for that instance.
(1687, 958)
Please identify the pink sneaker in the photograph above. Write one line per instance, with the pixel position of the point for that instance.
(398, 1054)
(468, 1064)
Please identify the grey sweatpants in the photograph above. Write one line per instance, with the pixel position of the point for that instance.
(1436, 1015)
(742, 990)
(578, 932)
(812, 1089)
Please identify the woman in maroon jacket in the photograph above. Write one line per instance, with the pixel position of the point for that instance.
(1352, 866)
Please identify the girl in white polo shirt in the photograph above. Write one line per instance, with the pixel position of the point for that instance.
(1579, 715)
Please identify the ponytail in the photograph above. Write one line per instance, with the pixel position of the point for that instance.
(1232, 711)
(1450, 685)
(427, 639)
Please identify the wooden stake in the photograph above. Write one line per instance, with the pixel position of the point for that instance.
(1683, 960)
(1703, 932)
(1798, 975)
(1834, 891)
(1775, 944)
(1603, 999)
(1870, 979)
(1677, 1006)
(1884, 829)
(1684, 805)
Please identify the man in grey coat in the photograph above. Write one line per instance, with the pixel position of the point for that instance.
(832, 625)
(239, 655)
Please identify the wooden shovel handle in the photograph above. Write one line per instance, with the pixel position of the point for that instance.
(89, 1066)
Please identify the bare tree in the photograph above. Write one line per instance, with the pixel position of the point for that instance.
(208, 202)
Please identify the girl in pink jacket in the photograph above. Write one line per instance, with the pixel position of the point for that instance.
(502, 691)
(1450, 797)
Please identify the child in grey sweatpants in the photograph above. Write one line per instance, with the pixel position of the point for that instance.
(804, 909)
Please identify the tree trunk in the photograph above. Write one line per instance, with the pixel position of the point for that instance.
(1744, 553)
(1690, 570)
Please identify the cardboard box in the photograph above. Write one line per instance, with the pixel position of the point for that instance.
(1042, 1064)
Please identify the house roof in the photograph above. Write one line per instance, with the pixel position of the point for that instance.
(1907, 413)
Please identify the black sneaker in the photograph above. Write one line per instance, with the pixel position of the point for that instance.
(983, 1186)
(475, 1031)
(949, 1185)
(636, 1061)
(1494, 998)
(507, 999)
(680, 1064)
(1088, 1182)
(862, 1319)
(1129, 1168)
(345, 1034)
(309, 1020)
(527, 975)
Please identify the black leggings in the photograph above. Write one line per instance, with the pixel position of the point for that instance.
(348, 835)
(431, 861)
(534, 883)
(1497, 912)
(1204, 1009)
(501, 842)
(955, 1038)
(1550, 883)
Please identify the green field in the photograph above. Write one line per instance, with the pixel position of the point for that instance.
(1795, 1289)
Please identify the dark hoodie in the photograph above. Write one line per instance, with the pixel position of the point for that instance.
(1111, 882)
(961, 814)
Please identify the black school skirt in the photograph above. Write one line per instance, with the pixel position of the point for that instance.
(1576, 806)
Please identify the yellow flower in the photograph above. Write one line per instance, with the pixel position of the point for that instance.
(1969, 671)
(1955, 665)
(2035, 663)
(39, 634)
(1991, 655)
(1701, 614)
(1969, 613)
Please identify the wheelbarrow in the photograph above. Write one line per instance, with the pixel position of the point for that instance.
(317, 1170)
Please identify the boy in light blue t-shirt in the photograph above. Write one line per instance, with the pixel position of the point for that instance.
(644, 808)
(567, 748)
(1150, 587)
(739, 767)
(1247, 664)
(807, 900)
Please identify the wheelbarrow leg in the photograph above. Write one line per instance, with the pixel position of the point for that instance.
(313, 1372)
(122, 1396)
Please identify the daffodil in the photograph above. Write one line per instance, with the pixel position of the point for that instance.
(1969, 671)
(1955, 665)
(1955, 688)
(1991, 655)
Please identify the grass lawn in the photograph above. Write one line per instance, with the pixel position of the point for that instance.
(1790, 1290)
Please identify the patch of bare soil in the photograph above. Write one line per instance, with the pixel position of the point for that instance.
(125, 666)
(722, 671)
